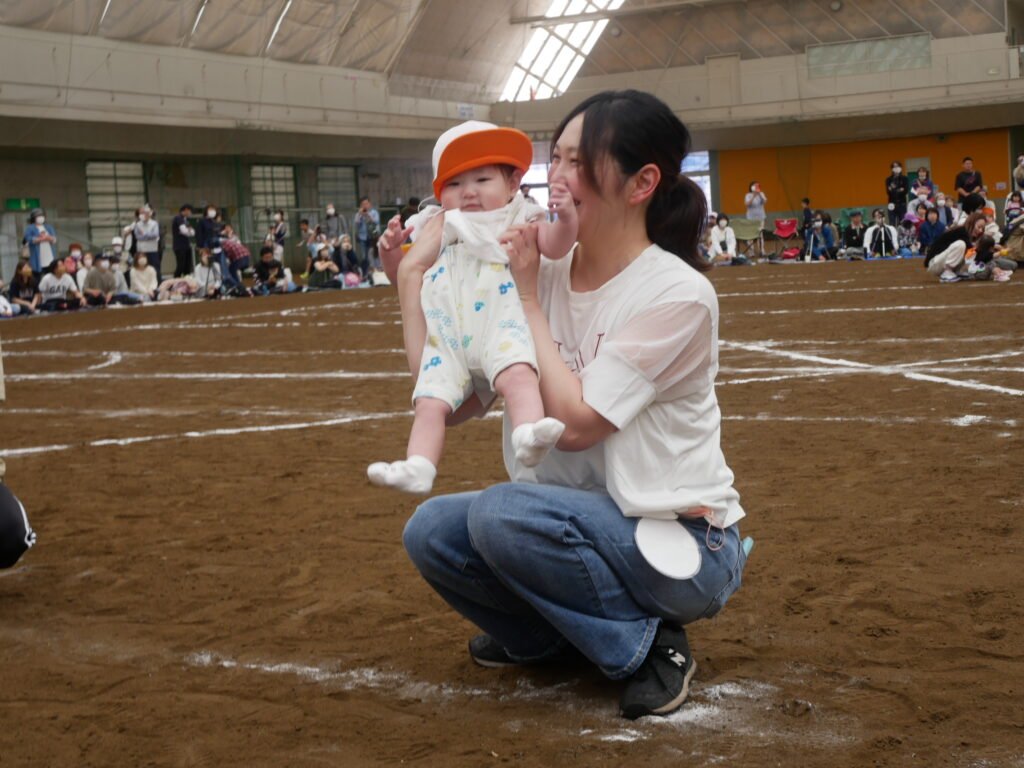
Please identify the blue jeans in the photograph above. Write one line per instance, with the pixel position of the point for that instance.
(235, 269)
(540, 566)
(227, 277)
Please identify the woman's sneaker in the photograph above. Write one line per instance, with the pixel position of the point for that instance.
(949, 276)
(486, 652)
(662, 682)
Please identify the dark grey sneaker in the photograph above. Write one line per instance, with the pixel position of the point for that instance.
(662, 682)
(486, 652)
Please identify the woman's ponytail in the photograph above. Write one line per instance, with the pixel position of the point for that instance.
(676, 218)
(636, 129)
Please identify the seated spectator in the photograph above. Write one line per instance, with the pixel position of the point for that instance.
(826, 218)
(723, 241)
(178, 289)
(345, 256)
(948, 214)
(987, 263)
(923, 185)
(74, 259)
(991, 227)
(819, 243)
(930, 229)
(8, 310)
(971, 204)
(1014, 207)
(413, 206)
(23, 291)
(853, 237)
(325, 272)
(207, 273)
(271, 276)
(303, 243)
(947, 254)
(100, 285)
(236, 255)
(142, 278)
(880, 239)
(906, 238)
(83, 270)
(60, 293)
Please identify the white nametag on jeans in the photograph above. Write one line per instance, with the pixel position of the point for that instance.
(668, 547)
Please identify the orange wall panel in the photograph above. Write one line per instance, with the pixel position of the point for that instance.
(853, 173)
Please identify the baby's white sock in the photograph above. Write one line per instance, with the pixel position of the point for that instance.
(414, 475)
(532, 442)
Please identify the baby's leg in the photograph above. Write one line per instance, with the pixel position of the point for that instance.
(532, 434)
(426, 442)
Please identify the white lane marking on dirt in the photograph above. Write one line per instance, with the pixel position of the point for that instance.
(741, 294)
(898, 308)
(839, 362)
(199, 434)
(113, 358)
(207, 376)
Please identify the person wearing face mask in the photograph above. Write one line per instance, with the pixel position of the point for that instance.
(820, 241)
(100, 285)
(145, 233)
(947, 213)
(118, 257)
(923, 184)
(74, 259)
(277, 234)
(208, 231)
(880, 239)
(143, 279)
(182, 234)
(42, 243)
(897, 188)
(723, 242)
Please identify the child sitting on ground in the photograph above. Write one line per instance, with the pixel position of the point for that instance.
(477, 333)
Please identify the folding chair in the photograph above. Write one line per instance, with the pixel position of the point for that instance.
(785, 232)
(748, 234)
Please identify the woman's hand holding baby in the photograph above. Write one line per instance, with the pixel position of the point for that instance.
(520, 243)
(390, 246)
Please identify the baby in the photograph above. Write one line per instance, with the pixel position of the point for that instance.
(477, 334)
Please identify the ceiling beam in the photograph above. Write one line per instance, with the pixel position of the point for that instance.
(549, 21)
(409, 29)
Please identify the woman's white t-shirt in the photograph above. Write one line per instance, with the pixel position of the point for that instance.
(645, 345)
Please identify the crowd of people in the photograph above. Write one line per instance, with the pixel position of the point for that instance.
(918, 220)
(211, 261)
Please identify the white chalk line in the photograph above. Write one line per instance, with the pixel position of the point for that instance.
(112, 358)
(206, 376)
(200, 434)
(494, 414)
(898, 308)
(881, 369)
(213, 353)
(743, 704)
(743, 294)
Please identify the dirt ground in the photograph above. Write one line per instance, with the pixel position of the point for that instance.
(215, 583)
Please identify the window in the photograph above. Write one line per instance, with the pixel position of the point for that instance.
(697, 165)
(273, 187)
(337, 184)
(553, 55)
(537, 178)
(867, 56)
(114, 190)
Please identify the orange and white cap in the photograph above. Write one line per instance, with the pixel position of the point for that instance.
(475, 143)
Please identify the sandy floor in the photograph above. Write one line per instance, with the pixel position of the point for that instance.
(216, 584)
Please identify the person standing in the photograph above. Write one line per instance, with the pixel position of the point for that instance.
(277, 234)
(968, 181)
(182, 234)
(568, 555)
(897, 189)
(366, 227)
(145, 233)
(42, 243)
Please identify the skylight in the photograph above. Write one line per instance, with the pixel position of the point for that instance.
(553, 55)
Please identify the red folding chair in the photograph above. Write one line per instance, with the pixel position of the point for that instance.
(786, 232)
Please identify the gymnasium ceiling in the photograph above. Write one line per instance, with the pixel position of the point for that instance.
(465, 49)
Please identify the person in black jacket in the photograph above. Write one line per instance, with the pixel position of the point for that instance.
(853, 237)
(897, 188)
(181, 243)
(947, 253)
